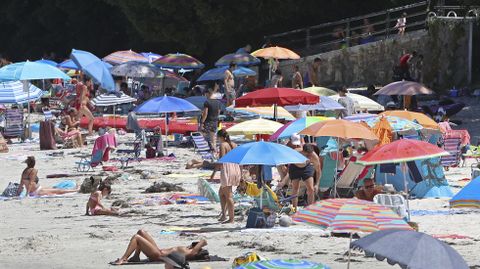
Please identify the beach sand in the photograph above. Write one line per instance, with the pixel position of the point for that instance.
(54, 232)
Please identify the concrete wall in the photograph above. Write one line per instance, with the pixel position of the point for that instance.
(443, 45)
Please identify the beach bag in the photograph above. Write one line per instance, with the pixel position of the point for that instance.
(246, 258)
(11, 190)
(256, 218)
(90, 184)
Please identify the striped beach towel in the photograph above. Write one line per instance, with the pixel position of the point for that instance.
(452, 146)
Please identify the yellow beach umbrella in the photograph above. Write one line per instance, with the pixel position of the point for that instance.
(254, 127)
(422, 119)
(320, 91)
(276, 53)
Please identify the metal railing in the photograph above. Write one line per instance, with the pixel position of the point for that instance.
(351, 31)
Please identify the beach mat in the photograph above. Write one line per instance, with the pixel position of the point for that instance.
(213, 258)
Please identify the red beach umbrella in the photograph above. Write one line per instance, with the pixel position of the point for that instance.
(277, 96)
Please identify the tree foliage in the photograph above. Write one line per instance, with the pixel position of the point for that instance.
(206, 29)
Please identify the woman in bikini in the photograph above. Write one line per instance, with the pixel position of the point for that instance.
(94, 205)
(142, 242)
(82, 100)
(29, 180)
(69, 127)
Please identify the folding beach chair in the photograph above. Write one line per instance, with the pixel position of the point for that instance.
(349, 177)
(14, 127)
(452, 146)
(100, 153)
(395, 202)
(202, 147)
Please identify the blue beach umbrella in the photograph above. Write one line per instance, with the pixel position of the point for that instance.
(326, 104)
(263, 153)
(11, 92)
(219, 72)
(166, 104)
(31, 71)
(68, 64)
(240, 59)
(410, 249)
(49, 62)
(93, 67)
(283, 264)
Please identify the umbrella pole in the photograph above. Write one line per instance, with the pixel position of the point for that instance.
(166, 133)
(114, 117)
(336, 169)
(406, 188)
(275, 112)
(28, 117)
(349, 251)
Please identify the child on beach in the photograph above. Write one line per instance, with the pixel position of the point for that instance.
(95, 207)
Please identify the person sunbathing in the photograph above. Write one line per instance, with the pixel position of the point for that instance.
(142, 242)
(369, 190)
(94, 205)
(29, 180)
(199, 164)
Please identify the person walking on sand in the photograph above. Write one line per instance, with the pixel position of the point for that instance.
(29, 180)
(142, 242)
(230, 175)
(94, 204)
(209, 120)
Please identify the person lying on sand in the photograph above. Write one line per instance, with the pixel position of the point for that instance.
(142, 242)
(29, 180)
(94, 205)
(199, 164)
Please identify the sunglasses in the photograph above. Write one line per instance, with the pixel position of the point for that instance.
(369, 186)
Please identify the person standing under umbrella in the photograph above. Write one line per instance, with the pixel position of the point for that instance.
(209, 120)
(229, 83)
(346, 102)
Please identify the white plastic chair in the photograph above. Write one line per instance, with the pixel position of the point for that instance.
(396, 202)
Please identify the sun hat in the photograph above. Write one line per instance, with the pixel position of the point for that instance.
(295, 139)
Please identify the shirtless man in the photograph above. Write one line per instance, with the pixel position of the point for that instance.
(142, 242)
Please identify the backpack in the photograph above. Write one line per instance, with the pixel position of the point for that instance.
(246, 258)
(90, 184)
(11, 190)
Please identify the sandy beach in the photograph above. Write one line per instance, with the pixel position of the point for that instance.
(55, 233)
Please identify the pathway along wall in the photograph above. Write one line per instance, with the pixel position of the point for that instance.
(444, 46)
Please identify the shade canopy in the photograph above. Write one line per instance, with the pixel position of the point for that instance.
(219, 73)
(178, 61)
(136, 70)
(254, 127)
(30, 71)
(341, 129)
(404, 88)
(166, 104)
(262, 111)
(361, 102)
(276, 53)
(283, 264)
(295, 126)
(94, 68)
(400, 151)
(263, 153)
(422, 119)
(11, 92)
(468, 197)
(112, 99)
(276, 96)
(320, 91)
(241, 59)
(350, 215)
(325, 104)
(410, 249)
(124, 56)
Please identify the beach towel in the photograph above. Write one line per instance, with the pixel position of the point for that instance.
(213, 258)
(47, 131)
(101, 148)
(452, 146)
(65, 185)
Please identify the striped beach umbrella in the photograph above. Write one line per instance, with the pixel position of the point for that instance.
(468, 197)
(11, 92)
(112, 99)
(123, 56)
(242, 59)
(178, 61)
(350, 216)
(283, 264)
